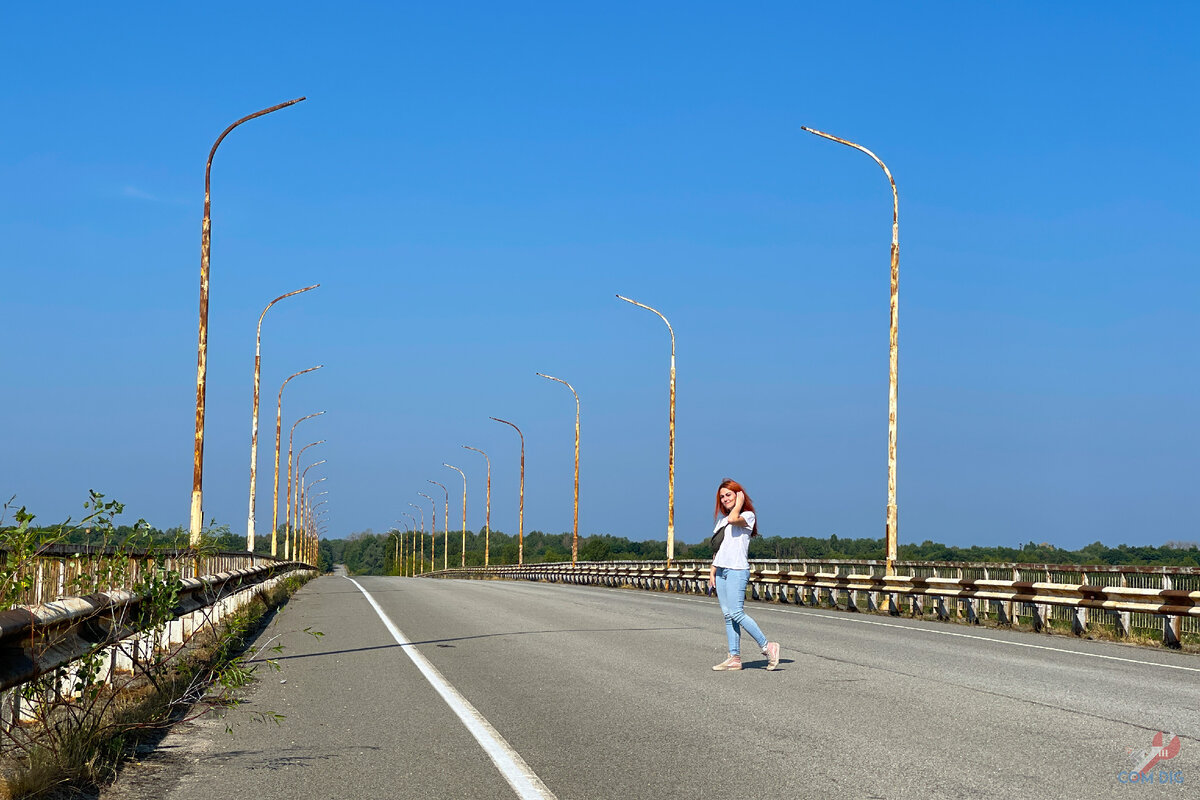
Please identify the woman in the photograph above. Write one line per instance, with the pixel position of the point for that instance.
(730, 573)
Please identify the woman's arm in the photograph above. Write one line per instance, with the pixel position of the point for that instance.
(735, 516)
(712, 576)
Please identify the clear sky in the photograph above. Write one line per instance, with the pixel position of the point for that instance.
(472, 183)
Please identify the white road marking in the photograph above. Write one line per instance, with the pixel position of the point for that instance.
(520, 777)
(832, 618)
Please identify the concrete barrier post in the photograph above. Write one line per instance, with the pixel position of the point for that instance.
(1172, 626)
(1124, 618)
(970, 605)
(122, 660)
(943, 613)
(1079, 621)
(9, 709)
(1042, 610)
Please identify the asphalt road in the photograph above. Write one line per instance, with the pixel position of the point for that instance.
(606, 693)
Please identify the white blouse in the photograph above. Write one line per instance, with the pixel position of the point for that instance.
(735, 547)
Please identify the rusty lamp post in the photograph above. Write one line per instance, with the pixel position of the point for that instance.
(464, 511)
(670, 439)
(575, 535)
(305, 503)
(318, 521)
(313, 543)
(893, 523)
(412, 549)
(521, 512)
(254, 414)
(432, 533)
(289, 524)
(310, 519)
(287, 521)
(400, 562)
(422, 550)
(302, 510)
(445, 525)
(487, 523)
(278, 436)
(197, 513)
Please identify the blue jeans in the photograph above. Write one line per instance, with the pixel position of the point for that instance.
(731, 592)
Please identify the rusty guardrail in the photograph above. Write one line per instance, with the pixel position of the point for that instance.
(64, 570)
(1123, 597)
(38, 639)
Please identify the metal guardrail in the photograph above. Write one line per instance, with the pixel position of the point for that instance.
(35, 640)
(1128, 599)
(65, 570)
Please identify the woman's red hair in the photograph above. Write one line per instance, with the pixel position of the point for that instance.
(747, 503)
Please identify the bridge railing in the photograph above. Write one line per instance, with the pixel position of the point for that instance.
(1129, 600)
(64, 570)
(122, 635)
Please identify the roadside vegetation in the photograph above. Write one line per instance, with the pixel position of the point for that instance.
(86, 532)
(68, 731)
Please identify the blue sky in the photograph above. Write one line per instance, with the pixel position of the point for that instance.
(472, 184)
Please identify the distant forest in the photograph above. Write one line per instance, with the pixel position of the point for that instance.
(369, 553)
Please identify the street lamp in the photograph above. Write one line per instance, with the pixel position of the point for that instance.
(445, 525)
(310, 535)
(422, 512)
(432, 534)
(893, 522)
(320, 494)
(302, 510)
(412, 550)
(400, 562)
(197, 514)
(487, 523)
(303, 499)
(464, 516)
(278, 436)
(293, 496)
(254, 414)
(575, 536)
(521, 513)
(313, 544)
(671, 439)
(287, 522)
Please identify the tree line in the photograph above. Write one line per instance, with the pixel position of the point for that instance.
(369, 553)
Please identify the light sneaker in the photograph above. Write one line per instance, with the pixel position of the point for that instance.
(733, 662)
(771, 651)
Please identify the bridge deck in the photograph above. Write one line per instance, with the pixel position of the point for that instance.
(608, 694)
